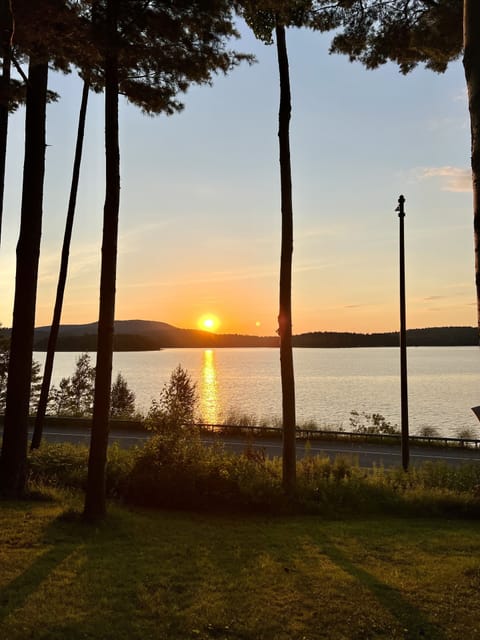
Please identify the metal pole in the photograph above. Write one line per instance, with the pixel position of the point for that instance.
(403, 340)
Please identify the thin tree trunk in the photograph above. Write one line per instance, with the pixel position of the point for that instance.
(471, 63)
(13, 461)
(5, 83)
(6, 36)
(285, 311)
(95, 499)
(62, 277)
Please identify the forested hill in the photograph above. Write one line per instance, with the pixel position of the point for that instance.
(143, 335)
(430, 337)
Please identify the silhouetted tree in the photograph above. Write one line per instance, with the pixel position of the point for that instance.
(95, 498)
(13, 459)
(265, 18)
(6, 35)
(44, 27)
(151, 52)
(471, 64)
(62, 278)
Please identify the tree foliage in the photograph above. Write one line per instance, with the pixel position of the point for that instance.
(161, 48)
(406, 32)
(74, 395)
(122, 403)
(176, 403)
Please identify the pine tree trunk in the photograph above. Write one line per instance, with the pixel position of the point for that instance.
(62, 277)
(471, 63)
(285, 311)
(13, 461)
(4, 102)
(6, 26)
(95, 499)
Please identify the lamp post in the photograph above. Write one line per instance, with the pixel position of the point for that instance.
(403, 340)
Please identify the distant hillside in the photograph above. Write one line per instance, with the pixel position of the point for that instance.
(146, 335)
(430, 337)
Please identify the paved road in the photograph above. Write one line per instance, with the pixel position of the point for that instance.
(367, 454)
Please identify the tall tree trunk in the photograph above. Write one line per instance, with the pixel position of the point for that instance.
(13, 461)
(62, 277)
(95, 499)
(471, 64)
(6, 38)
(285, 311)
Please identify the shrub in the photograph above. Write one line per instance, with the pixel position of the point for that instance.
(427, 431)
(177, 470)
(372, 423)
(466, 433)
(65, 465)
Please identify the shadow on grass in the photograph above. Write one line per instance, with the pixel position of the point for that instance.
(412, 620)
(14, 595)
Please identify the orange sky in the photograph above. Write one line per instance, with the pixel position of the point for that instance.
(200, 212)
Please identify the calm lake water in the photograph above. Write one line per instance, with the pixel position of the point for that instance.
(444, 382)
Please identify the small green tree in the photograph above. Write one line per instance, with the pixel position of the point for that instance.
(122, 402)
(82, 386)
(176, 404)
(74, 396)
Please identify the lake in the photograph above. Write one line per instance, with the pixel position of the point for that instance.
(444, 382)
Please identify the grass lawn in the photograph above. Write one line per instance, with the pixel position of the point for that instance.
(147, 574)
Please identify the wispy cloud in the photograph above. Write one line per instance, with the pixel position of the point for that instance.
(218, 277)
(461, 96)
(443, 124)
(453, 179)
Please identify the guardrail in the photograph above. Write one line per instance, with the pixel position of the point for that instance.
(327, 434)
(69, 422)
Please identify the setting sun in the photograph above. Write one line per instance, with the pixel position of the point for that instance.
(208, 322)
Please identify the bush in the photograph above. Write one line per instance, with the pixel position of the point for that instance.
(65, 465)
(372, 423)
(428, 432)
(176, 470)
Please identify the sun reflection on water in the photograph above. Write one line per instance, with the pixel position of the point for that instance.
(209, 388)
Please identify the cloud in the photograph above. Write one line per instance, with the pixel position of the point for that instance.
(453, 178)
(461, 96)
(430, 298)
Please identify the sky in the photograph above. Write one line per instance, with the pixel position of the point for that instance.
(200, 199)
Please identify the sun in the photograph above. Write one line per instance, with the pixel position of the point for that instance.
(208, 322)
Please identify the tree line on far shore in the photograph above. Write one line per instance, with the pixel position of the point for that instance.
(427, 337)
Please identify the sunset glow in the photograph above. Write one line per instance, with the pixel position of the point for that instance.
(200, 247)
(208, 322)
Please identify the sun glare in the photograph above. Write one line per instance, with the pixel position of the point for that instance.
(208, 322)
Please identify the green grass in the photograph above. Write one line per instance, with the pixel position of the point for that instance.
(177, 575)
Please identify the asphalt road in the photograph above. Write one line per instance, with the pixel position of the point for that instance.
(367, 454)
